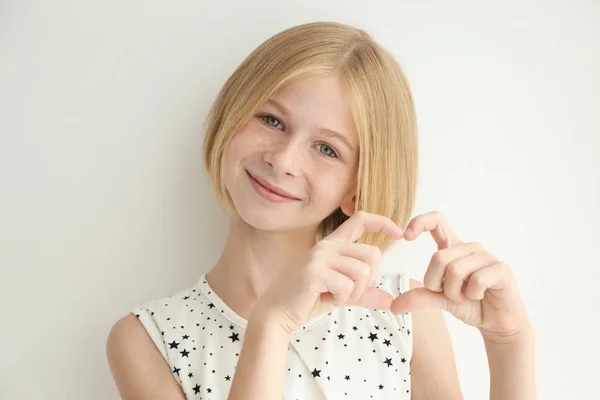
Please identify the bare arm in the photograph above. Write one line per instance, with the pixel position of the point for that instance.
(138, 368)
(433, 367)
(260, 371)
(141, 372)
(512, 373)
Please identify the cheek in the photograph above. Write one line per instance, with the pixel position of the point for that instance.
(247, 142)
(330, 185)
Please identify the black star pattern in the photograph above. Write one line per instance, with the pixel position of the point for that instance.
(360, 366)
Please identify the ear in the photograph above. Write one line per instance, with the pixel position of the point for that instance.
(349, 206)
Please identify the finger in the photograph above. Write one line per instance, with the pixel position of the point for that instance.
(338, 287)
(419, 299)
(435, 223)
(357, 270)
(436, 270)
(369, 254)
(495, 276)
(459, 271)
(361, 221)
(346, 285)
(374, 298)
(361, 251)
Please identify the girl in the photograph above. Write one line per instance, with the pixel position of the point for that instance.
(311, 147)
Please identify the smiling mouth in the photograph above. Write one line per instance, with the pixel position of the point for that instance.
(267, 193)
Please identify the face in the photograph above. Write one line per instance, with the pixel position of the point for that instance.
(301, 141)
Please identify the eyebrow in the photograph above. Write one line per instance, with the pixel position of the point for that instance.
(282, 109)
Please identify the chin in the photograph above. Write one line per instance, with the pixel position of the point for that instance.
(264, 219)
(269, 220)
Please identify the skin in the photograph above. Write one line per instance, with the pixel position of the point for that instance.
(291, 150)
(468, 282)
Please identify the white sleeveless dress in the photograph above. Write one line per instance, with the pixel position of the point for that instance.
(350, 353)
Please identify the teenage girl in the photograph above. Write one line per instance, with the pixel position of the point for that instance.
(311, 147)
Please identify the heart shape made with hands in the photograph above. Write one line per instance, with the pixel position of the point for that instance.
(418, 298)
(462, 278)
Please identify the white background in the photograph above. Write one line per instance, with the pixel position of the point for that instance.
(104, 204)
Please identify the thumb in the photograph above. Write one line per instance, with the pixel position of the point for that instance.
(419, 299)
(375, 298)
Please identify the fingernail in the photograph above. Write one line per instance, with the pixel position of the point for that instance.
(408, 232)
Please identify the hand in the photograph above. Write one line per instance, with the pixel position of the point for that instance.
(335, 272)
(466, 281)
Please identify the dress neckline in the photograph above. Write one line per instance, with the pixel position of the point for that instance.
(240, 321)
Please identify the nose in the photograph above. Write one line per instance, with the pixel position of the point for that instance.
(285, 156)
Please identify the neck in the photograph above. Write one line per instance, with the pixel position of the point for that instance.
(251, 259)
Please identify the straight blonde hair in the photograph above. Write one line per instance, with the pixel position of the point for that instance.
(380, 101)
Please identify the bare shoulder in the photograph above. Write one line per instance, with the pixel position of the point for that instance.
(138, 368)
(433, 366)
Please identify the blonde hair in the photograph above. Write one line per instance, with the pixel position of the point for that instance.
(380, 100)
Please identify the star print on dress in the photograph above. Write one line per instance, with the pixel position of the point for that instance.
(349, 353)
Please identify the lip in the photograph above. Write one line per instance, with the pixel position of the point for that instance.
(268, 191)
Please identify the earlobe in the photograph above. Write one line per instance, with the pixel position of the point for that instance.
(349, 206)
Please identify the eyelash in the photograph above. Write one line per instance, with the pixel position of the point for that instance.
(264, 116)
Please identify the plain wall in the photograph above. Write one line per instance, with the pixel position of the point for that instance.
(104, 204)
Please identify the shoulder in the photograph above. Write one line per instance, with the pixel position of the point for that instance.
(155, 319)
(126, 336)
(157, 315)
(138, 368)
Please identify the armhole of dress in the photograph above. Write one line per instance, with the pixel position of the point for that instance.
(144, 316)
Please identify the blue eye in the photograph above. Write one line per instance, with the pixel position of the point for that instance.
(333, 154)
(268, 119)
(276, 123)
